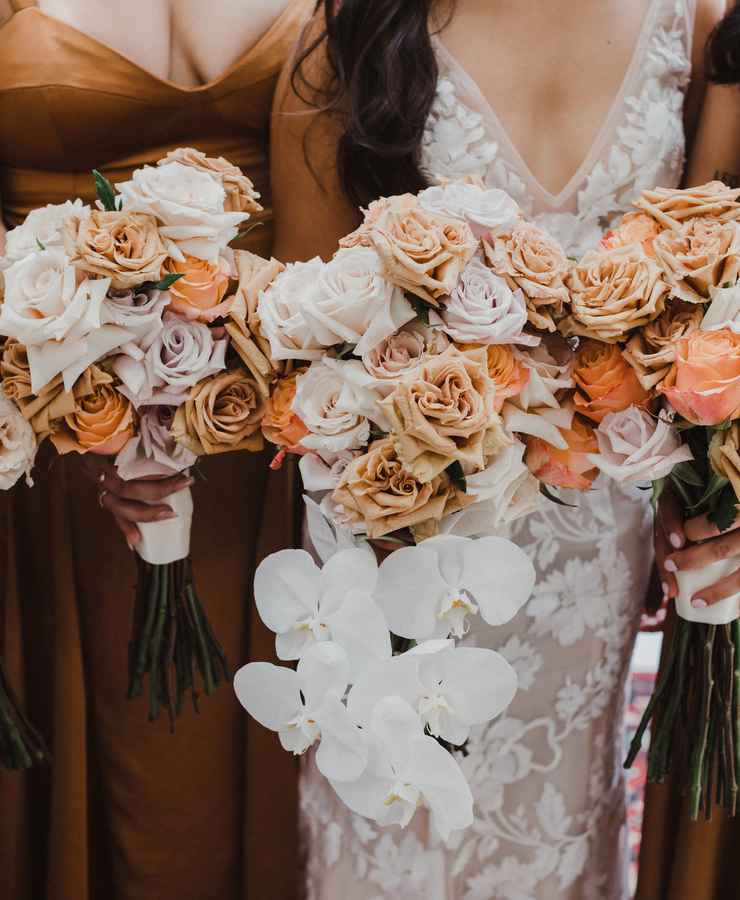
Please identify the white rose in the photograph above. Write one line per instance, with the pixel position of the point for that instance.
(724, 310)
(350, 302)
(635, 447)
(280, 310)
(547, 377)
(17, 445)
(41, 229)
(327, 406)
(188, 203)
(483, 209)
(484, 310)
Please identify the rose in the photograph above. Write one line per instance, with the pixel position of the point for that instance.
(507, 371)
(670, 207)
(402, 353)
(420, 252)
(351, 302)
(535, 263)
(724, 310)
(635, 447)
(41, 230)
(445, 413)
(102, 422)
(377, 490)
(724, 455)
(125, 247)
(153, 451)
(613, 292)
(566, 468)
(633, 228)
(199, 293)
(327, 406)
(652, 350)
(140, 312)
(704, 384)
(605, 383)
(15, 371)
(17, 445)
(483, 209)
(280, 425)
(698, 256)
(221, 414)
(484, 310)
(550, 368)
(240, 193)
(190, 205)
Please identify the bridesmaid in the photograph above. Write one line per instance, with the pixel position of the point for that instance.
(128, 811)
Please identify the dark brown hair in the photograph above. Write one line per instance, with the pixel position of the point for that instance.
(723, 50)
(381, 80)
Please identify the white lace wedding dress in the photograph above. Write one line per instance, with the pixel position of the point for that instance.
(546, 777)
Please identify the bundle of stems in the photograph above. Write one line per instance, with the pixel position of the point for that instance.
(172, 640)
(21, 745)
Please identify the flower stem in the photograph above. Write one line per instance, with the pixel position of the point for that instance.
(698, 771)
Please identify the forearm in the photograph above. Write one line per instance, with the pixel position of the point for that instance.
(716, 150)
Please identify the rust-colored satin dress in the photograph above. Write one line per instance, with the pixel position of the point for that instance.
(129, 811)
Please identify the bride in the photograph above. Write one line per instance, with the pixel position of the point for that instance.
(573, 108)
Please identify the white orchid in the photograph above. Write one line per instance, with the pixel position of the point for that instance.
(305, 706)
(304, 604)
(429, 591)
(407, 769)
(451, 688)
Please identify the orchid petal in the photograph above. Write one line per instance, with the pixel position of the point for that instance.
(323, 670)
(343, 572)
(367, 795)
(286, 589)
(398, 676)
(442, 784)
(343, 752)
(359, 626)
(396, 724)
(270, 694)
(294, 643)
(409, 592)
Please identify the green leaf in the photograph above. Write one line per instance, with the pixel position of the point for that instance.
(681, 490)
(659, 487)
(686, 473)
(106, 194)
(457, 476)
(164, 283)
(345, 350)
(40, 245)
(724, 513)
(377, 433)
(546, 492)
(420, 307)
(716, 484)
(246, 231)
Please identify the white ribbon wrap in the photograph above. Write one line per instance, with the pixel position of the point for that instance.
(690, 582)
(169, 541)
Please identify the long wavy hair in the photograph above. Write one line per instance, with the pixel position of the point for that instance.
(380, 80)
(723, 50)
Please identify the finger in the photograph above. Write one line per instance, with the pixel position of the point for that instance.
(669, 585)
(145, 490)
(721, 590)
(701, 529)
(697, 556)
(97, 468)
(132, 511)
(130, 531)
(670, 516)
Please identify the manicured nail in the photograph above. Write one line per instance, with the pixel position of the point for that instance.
(670, 566)
(130, 546)
(698, 603)
(666, 590)
(166, 514)
(676, 540)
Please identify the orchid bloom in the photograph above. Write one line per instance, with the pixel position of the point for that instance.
(303, 605)
(405, 770)
(429, 591)
(451, 688)
(305, 705)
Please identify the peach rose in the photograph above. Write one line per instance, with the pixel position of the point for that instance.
(651, 351)
(569, 468)
(198, 294)
(101, 422)
(445, 412)
(613, 292)
(420, 251)
(605, 383)
(376, 489)
(15, 371)
(704, 384)
(223, 413)
(698, 256)
(724, 455)
(240, 193)
(529, 259)
(670, 207)
(633, 228)
(507, 371)
(125, 247)
(280, 425)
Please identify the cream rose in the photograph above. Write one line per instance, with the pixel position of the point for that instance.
(651, 351)
(326, 405)
(482, 208)
(42, 229)
(671, 207)
(613, 292)
(240, 193)
(724, 310)
(402, 353)
(17, 445)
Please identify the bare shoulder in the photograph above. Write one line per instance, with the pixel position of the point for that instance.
(6, 11)
(708, 14)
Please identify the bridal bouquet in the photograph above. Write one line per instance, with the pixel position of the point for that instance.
(115, 344)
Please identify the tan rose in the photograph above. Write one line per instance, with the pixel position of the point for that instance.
(507, 371)
(101, 422)
(724, 454)
(613, 292)
(421, 252)
(529, 259)
(605, 383)
(15, 371)
(651, 351)
(566, 468)
(222, 413)
(280, 425)
(376, 489)
(698, 256)
(445, 412)
(633, 228)
(671, 207)
(125, 247)
(200, 290)
(240, 193)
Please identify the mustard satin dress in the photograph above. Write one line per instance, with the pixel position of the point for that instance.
(129, 811)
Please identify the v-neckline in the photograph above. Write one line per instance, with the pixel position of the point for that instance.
(147, 73)
(556, 201)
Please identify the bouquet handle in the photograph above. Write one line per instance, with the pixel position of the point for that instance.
(692, 581)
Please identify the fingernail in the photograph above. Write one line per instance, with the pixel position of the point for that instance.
(670, 566)
(666, 590)
(698, 603)
(166, 514)
(130, 546)
(189, 482)
(676, 540)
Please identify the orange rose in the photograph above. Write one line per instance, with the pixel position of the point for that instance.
(633, 228)
(102, 422)
(506, 370)
(605, 382)
(198, 294)
(670, 207)
(704, 384)
(280, 425)
(569, 468)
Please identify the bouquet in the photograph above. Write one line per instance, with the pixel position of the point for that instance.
(117, 323)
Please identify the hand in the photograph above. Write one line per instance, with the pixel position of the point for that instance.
(135, 501)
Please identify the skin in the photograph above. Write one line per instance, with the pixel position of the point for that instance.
(166, 38)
